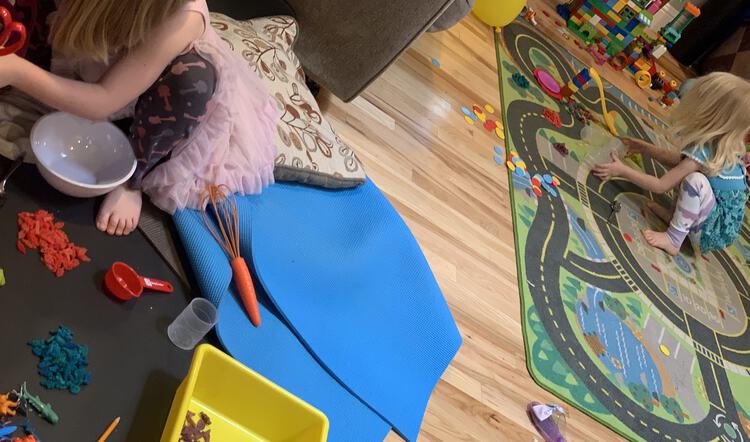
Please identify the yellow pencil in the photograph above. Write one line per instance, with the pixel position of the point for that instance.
(109, 430)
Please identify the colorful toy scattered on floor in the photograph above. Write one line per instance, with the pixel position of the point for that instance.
(477, 114)
(565, 93)
(520, 80)
(615, 31)
(538, 182)
(62, 363)
(38, 230)
(44, 409)
(2, 277)
(124, 283)
(196, 431)
(516, 164)
(7, 406)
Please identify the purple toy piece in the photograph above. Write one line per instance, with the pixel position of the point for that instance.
(547, 427)
(549, 85)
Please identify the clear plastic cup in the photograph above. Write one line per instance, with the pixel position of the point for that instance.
(193, 324)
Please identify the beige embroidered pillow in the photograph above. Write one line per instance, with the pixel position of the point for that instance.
(310, 152)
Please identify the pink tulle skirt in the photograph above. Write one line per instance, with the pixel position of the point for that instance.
(233, 144)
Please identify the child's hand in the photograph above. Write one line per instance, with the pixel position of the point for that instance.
(606, 171)
(634, 145)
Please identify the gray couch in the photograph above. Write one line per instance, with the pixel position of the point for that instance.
(346, 44)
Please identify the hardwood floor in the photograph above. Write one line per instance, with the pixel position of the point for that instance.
(439, 173)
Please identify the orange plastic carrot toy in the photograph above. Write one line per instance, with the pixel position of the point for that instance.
(224, 207)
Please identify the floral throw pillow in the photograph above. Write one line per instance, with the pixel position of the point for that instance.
(309, 151)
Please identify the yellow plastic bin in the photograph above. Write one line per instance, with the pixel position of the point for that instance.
(242, 405)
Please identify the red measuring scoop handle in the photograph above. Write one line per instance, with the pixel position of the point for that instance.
(157, 285)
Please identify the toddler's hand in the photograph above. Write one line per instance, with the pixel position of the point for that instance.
(634, 145)
(606, 171)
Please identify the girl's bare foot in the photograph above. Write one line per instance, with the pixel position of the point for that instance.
(120, 211)
(660, 240)
(662, 212)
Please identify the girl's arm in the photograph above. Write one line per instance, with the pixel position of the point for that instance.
(662, 184)
(666, 157)
(124, 81)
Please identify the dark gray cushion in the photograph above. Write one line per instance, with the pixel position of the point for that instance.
(247, 9)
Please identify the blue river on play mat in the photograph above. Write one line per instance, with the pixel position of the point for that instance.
(625, 355)
(593, 250)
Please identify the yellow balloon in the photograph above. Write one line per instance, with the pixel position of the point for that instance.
(498, 12)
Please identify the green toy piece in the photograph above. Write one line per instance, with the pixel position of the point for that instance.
(45, 410)
(2, 277)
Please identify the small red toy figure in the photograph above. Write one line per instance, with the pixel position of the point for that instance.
(553, 117)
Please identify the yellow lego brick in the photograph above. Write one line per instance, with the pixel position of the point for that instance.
(599, 27)
(620, 37)
(619, 5)
(613, 15)
(575, 20)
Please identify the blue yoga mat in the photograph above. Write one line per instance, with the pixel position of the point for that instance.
(350, 282)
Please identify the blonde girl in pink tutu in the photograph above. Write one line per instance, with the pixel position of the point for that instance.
(200, 116)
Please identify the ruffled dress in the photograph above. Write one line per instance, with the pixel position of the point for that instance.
(233, 144)
(723, 225)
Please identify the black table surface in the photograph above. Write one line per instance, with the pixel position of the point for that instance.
(135, 369)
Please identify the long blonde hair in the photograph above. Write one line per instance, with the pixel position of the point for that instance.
(714, 111)
(95, 29)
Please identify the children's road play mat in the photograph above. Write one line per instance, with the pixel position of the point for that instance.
(654, 347)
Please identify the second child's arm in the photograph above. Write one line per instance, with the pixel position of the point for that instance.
(667, 157)
(123, 83)
(662, 184)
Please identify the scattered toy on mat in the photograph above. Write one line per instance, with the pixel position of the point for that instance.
(38, 230)
(520, 80)
(578, 111)
(2, 277)
(561, 148)
(614, 208)
(549, 420)
(27, 438)
(546, 182)
(435, 62)
(7, 431)
(44, 410)
(62, 362)
(529, 14)
(194, 431)
(516, 164)
(7, 406)
(553, 117)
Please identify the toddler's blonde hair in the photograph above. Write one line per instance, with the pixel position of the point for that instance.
(95, 29)
(715, 111)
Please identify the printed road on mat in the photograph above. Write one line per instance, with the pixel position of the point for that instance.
(655, 347)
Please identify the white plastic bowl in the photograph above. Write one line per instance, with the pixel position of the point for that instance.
(79, 157)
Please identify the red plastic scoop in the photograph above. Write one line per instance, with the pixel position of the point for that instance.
(125, 284)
